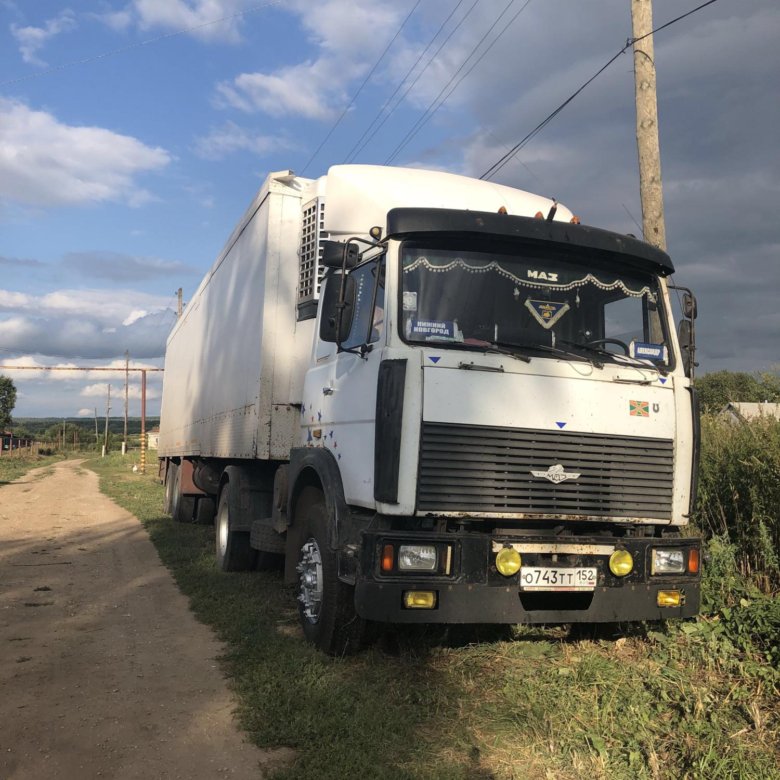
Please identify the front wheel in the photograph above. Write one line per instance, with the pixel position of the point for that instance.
(325, 604)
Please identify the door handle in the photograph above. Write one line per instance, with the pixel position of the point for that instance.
(327, 391)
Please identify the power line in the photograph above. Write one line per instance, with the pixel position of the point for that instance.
(430, 111)
(468, 72)
(502, 161)
(360, 88)
(360, 144)
(140, 44)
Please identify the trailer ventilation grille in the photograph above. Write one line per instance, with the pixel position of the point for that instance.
(310, 269)
(465, 468)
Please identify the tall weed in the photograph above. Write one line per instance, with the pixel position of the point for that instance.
(739, 494)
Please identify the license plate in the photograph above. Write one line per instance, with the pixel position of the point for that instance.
(546, 578)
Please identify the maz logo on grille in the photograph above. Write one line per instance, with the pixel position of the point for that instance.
(556, 474)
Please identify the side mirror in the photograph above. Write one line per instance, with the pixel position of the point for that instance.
(336, 318)
(689, 308)
(336, 254)
(687, 347)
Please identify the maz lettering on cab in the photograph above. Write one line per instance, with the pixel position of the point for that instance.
(547, 275)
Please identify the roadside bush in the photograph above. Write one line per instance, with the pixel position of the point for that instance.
(739, 495)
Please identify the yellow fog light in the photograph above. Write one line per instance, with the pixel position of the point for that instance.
(621, 563)
(420, 599)
(669, 598)
(508, 561)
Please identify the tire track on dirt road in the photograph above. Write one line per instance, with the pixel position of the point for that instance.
(104, 671)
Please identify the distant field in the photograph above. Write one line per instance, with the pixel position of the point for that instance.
(39, 425)
(684, 700)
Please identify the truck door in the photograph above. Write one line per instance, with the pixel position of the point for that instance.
(340, 392)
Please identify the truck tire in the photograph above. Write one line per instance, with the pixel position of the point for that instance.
(325, 604)
(170, 483)
(234, 553)
(182, 507)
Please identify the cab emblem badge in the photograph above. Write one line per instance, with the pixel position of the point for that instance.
(556, 474)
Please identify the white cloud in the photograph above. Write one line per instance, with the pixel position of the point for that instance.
(100, 390)
(85, 323)
(229, 138)
(85, 413)
(44, 162)
(308, 90)
(134, 315)
(32, 39)
(207, 20)
(316, 89)
(117, 20)
(109, 309)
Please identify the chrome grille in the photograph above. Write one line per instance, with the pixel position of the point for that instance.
(465, 468)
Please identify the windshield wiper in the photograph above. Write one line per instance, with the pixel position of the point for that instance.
(623, 360)
(500, 347)
(567, 353)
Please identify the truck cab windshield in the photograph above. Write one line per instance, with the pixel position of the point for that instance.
(545, 305)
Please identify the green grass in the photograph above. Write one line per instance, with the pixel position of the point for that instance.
(692, 700)
(15, 465)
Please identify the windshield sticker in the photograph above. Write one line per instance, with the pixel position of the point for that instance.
(410, 301)
(640, 349)
(433, 329)
(546, 313)
(639, 408)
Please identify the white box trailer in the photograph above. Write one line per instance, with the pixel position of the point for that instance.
(484, 415)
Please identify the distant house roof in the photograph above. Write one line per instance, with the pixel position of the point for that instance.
(750, 411)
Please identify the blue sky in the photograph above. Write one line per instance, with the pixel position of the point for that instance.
(133, 134)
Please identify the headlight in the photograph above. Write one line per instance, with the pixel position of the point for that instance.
(417, 557)
(621, 563)
(508, 561)
(666, 561)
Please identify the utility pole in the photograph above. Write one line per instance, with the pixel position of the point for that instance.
(143, 422)
(127, 382)
(108, 409)
(179, 303)
(650, 189)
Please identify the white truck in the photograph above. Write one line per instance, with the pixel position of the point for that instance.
(439, 400)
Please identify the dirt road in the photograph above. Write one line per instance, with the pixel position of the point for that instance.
(104, 672)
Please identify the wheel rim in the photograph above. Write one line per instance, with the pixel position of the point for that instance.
(222, 530)
(310, 579)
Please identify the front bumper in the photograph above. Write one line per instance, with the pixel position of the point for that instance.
(474, 591)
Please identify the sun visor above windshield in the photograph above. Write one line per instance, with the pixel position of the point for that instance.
(542, 235)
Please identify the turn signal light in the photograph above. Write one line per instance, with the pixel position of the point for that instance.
(621, 563)
(388, 558)
(693, 561)
(669, 598)
(420, 599)
(508, 561)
